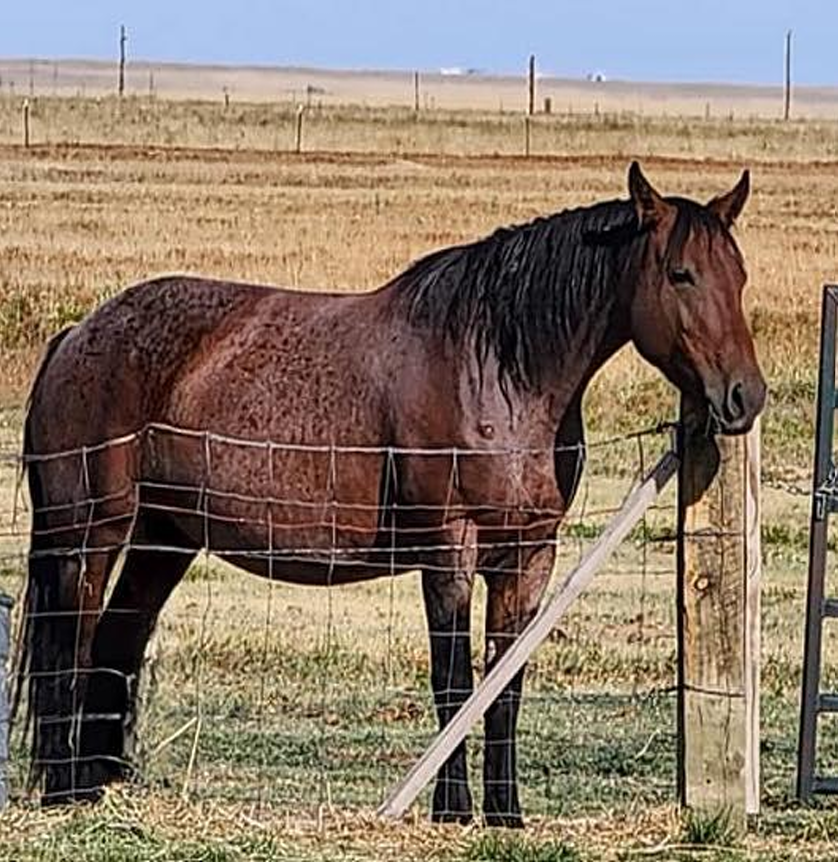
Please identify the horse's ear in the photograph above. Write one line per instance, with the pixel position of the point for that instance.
(650, 206)
(728, 207)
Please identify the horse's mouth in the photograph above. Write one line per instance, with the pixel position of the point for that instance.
(717, 424)
(726, 414)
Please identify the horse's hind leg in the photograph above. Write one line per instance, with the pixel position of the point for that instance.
(68, 594)
(447, 582)
(147, 579)
(83, 509)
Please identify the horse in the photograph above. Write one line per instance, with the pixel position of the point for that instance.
(434, 424)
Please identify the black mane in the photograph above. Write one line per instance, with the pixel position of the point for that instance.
(523, 292)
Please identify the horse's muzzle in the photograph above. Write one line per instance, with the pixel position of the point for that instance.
(735, 407)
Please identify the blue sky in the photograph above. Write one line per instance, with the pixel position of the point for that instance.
(658, 40)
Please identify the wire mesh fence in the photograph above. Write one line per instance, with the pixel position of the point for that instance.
(292, 696)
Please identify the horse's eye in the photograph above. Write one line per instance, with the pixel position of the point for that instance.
(681, 276)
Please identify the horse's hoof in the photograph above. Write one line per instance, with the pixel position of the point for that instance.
(462, 818)
(452, 803)
(88, 796)
(510, 820)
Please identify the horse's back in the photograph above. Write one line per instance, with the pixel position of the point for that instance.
(305, 368)
(110, 372)
(167, 362)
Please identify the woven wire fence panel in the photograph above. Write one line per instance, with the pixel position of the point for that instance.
(294, 697)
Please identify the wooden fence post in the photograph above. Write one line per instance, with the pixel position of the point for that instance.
(718, 619)
(298, 136)
(26, 123)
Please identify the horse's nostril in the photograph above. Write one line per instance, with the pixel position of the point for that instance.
(735, 402)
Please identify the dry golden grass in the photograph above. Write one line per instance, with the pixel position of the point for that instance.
(150, 827)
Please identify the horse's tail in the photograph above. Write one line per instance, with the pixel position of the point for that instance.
(41, 596)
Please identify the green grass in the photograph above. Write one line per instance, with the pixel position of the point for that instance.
(103, 838)
(495, 847)
(707, 828)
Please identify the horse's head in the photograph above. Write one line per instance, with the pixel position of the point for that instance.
(686, 310)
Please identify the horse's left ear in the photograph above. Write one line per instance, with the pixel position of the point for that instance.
(728, 207)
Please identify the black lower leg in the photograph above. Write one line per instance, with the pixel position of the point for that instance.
(501, 806)
(452, 681)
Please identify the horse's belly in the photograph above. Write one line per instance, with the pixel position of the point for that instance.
(321, 570)
(306, 545)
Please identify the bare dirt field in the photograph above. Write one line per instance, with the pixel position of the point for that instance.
(291, 760)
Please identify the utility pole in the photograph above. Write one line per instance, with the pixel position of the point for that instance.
(123, 38)
(531, 107)
(787, 88)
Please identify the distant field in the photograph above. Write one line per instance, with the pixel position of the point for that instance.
(113, 192)
(456, 90)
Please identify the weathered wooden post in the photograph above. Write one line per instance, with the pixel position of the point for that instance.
(416, 92)
(298, 137)
(718, 619)
(5, 717)
(26, 123)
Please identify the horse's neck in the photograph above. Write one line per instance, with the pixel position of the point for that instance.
(592, 346)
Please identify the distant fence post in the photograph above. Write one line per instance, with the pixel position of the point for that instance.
(5, 716)
(26, 123)
(416, 92)
(298, 137)
(718, 619)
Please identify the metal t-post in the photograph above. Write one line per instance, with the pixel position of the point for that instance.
(5, 717)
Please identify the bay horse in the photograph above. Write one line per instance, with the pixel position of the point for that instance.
(323, 439)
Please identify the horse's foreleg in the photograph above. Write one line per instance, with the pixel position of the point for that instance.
(512, 601)
(446, 586)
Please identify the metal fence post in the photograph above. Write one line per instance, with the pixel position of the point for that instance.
(6, 603)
